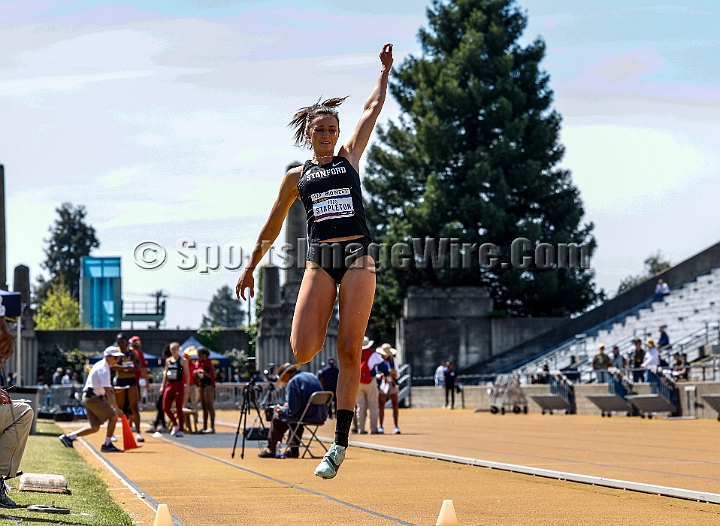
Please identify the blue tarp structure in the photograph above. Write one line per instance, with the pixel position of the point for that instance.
(151, 359)
(12, 303)
(191, 346)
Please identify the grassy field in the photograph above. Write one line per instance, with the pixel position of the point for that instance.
(46, 454)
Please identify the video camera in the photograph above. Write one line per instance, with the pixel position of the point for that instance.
(269, 371)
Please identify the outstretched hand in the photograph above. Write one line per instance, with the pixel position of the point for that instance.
(386, 56)
(246, 281)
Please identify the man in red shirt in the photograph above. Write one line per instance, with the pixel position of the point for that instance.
(367, 398)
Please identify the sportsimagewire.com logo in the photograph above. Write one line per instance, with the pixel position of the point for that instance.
(437, 253)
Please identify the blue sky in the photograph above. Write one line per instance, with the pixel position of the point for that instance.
(167, 120)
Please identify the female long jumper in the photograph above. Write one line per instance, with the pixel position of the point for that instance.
(329, 187)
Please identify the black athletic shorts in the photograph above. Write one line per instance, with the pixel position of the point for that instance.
(336, 258)
(124, 382)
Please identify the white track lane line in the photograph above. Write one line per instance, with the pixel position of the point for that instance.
(665, 491)
(142, 496)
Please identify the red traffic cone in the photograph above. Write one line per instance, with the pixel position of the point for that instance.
(128, 438)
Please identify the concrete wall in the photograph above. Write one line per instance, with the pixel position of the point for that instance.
(697, 407)
(477, 397)
(424, 343)
(451, 323)
(450, 302)
(506, 333)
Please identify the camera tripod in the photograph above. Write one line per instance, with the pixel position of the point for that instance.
(249, 396)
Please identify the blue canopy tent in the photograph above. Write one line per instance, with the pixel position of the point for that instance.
(191, 346)
(12, 302)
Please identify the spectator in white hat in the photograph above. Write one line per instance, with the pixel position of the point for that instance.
(389, 388)
(651, 359)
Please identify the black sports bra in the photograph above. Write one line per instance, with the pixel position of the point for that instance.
(332, 196)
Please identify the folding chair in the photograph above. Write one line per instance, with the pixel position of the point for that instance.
(318, 398)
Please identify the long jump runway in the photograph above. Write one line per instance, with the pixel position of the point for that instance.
(202, 485)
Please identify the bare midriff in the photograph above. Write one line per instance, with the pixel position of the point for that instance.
(338, 239)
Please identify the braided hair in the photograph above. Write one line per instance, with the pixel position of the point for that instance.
(304, 117)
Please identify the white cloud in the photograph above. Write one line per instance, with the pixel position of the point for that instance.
(62, 83)
(611, 163)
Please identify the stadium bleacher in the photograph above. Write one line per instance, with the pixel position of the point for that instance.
(690, 314)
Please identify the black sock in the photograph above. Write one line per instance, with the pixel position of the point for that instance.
(342, 426)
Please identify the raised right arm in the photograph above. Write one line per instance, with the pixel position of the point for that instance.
(270, 231)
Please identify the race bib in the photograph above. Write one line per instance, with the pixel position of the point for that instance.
(172, 374)
(332, 204)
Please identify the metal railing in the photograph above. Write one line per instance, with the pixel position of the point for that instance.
(558, 358)
(619, 384)
(705, 372)
(708, 335)
(60, 395)
(561, 386)
(661, 384)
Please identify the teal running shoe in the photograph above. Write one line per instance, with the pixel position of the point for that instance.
(330, 463)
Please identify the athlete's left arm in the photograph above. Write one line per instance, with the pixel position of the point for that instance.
(355, 146)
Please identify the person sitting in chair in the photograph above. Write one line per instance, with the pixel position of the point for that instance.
(300, 387)
(15, 421)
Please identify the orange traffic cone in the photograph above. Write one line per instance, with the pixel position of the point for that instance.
(447, 515)
(128, 438)
(163, 517)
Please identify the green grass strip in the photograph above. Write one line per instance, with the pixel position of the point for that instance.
(46, 454)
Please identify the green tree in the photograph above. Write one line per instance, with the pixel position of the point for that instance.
(654, 265)
(59, 310)
(49, 361)
(70, 239)
(210, 338)
(474, 156)
(238, 359)
(224, 310)
(73, 359)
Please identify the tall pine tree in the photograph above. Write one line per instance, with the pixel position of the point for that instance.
(224, 310)
(475, 157)
(71, 238)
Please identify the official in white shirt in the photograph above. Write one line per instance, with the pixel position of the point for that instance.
(99, 401)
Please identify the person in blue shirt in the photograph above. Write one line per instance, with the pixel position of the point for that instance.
(328, 377)
(300, 387)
